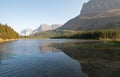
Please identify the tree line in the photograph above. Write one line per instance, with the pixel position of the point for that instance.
(6, 32)
(96, 34)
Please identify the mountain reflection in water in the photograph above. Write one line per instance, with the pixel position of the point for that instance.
(32, 58)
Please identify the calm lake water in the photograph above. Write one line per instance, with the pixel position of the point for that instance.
(34, 58)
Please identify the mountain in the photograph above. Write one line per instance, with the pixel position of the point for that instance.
(53, 33)
(55, 26)
(96, 14)
(41, 28)
(46, 27)
(26, 32)
(96, 7)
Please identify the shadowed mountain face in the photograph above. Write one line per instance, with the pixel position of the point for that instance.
(94, 7)
(96, 14)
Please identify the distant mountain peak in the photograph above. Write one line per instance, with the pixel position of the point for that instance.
(26, 32)
(46, 27)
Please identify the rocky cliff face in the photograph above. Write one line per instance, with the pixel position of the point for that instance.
(94, 7)
(43, 27)
(96, 14)
(46, 27)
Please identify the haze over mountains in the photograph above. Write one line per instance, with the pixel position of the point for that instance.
(96, 14)
(41, 28)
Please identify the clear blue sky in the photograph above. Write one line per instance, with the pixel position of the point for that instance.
(21, 14)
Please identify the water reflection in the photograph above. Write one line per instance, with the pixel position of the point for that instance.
(98, 59)
(33, 58)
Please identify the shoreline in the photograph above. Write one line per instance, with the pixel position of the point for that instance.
(94, 57)
(6, 40)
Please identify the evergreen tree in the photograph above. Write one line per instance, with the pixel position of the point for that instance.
(6, 32)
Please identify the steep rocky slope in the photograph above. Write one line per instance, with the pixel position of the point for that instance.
(46, 27)
(96, 14)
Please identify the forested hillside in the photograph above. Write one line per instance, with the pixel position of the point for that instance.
(6, 32)
(53, 33)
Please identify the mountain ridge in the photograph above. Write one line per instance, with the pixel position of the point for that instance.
(93, 16)
(46, 27)
(41, 28)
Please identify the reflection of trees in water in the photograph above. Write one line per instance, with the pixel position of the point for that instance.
(103, 61)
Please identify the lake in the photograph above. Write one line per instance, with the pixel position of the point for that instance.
(97, 58)
(35, 58)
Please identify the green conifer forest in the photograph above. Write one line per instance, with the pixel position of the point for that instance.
(6, 32)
